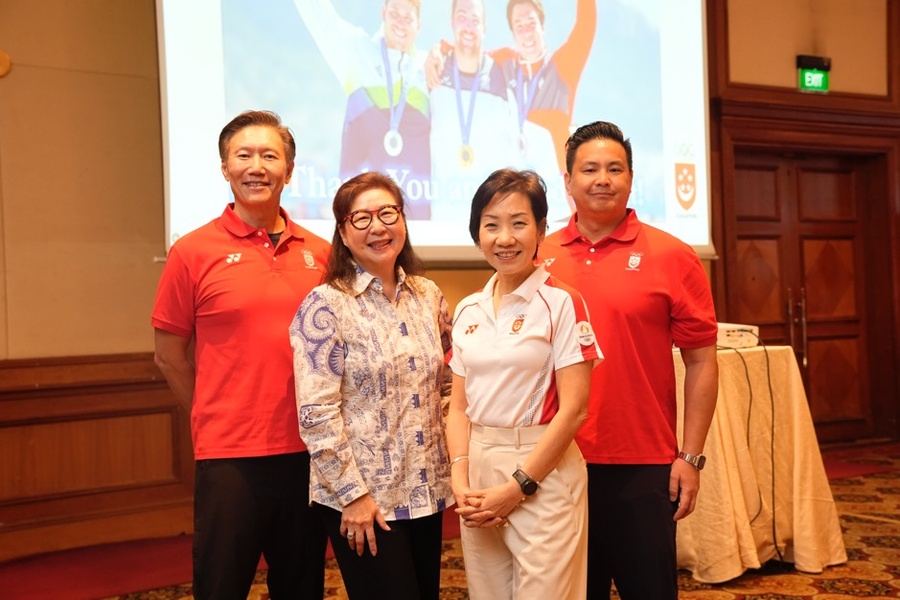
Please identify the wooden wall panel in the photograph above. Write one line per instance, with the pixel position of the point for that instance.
(756, 187)
(80, 455)
(828, 267)
(824, 195)
(836, 382)
(756, 284)
(93, 450)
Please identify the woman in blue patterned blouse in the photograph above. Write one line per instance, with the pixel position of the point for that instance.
(369, 348)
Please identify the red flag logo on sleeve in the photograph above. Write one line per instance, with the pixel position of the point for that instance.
(685, 184)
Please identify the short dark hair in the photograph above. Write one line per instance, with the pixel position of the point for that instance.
(537, 4)
(263, 118)
(340, 271)
(603, 130)
(505, 182)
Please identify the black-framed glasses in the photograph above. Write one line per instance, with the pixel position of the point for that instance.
(361, 219)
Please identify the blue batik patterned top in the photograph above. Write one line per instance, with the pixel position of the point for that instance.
(368, 379)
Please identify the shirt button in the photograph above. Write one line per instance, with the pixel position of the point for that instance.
(587, 262)
(259, 233)
(592, 250)
(266, 244)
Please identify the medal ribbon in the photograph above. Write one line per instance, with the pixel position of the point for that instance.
(465, 122)
(524, 97)
(395, 112)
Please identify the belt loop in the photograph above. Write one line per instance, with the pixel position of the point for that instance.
(516, 429)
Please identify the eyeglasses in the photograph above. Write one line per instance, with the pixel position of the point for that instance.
(361, 219)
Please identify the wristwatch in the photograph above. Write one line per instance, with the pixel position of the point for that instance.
(529, 486)
(697, 460)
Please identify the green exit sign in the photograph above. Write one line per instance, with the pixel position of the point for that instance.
(812, 80)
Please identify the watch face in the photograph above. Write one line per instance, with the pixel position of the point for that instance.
(529, 486)
(701, 460)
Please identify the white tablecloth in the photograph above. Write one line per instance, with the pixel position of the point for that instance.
(738, 523)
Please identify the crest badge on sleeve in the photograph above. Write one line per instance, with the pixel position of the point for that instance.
(585, 333)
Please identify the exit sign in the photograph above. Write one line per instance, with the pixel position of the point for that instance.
(812, 80)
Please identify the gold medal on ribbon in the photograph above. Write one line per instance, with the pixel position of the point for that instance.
(393, 142)
(466, 155)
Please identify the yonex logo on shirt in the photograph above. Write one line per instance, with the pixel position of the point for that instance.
(233, 258)
(471, 329)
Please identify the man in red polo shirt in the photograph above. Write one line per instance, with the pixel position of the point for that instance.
(646, 291)
(227, 295)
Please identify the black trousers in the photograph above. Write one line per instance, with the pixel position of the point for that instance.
(631, 534)
(407, 566)
(245, 508)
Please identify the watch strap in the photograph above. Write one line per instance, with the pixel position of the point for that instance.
(698, 461)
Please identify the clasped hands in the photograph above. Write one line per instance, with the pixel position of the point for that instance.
(489, 507)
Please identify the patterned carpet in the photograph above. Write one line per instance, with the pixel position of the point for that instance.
(869, 508)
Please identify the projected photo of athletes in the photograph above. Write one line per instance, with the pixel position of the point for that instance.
(437, 94)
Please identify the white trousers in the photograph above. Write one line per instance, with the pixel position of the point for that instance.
(542, 553)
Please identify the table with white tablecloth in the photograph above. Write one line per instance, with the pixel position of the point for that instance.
(763, 493)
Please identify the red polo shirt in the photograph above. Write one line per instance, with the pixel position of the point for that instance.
(227, 285)
(646, 291)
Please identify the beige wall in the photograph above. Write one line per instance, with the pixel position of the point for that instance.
(80, 177)
(81, 190)
(457, 283)
(765, 37)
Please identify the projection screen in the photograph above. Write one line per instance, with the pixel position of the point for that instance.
(322, 65)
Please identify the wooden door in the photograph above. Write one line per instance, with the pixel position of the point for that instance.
(800, 272)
